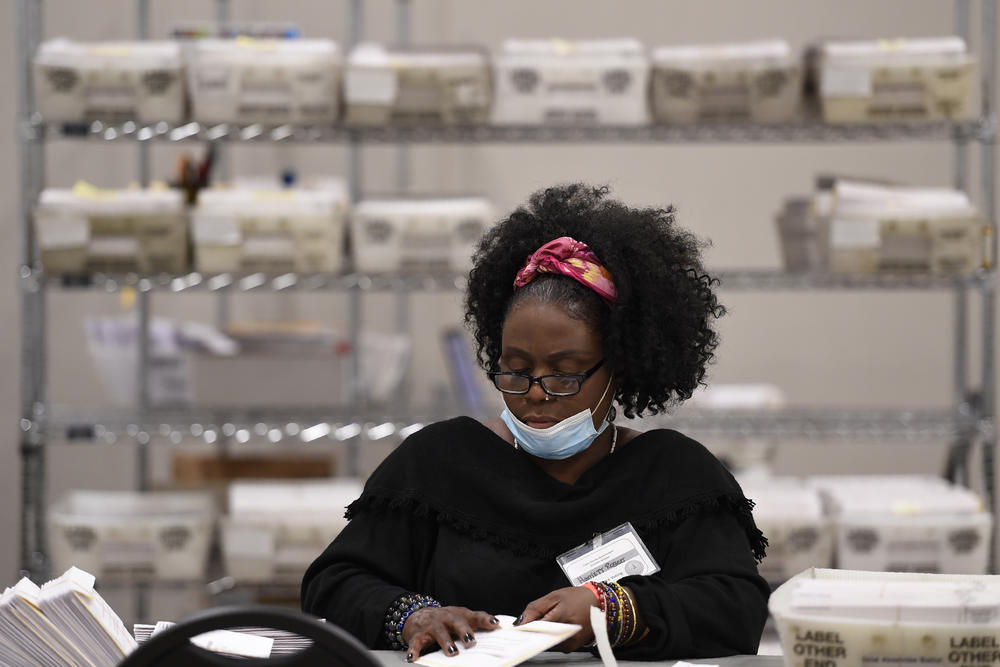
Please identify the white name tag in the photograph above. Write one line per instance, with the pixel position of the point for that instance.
(618, 553)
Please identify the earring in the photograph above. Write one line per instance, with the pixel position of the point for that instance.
(613, 414)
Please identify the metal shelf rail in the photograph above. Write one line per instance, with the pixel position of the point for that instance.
(731, 279)
(970, 421)
(345, 424)
(797, 132)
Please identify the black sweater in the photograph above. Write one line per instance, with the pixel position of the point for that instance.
(458, 514)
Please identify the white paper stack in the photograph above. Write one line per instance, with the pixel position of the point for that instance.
(904, 602)
(278, 642)
(27, 636)
(65, 623)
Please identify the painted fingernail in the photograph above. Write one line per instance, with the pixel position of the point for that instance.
(409, 657)
(469, 638)
(494, 621)
(519, 619)
(452, 649)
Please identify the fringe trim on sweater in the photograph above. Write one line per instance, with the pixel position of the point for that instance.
(378, 502)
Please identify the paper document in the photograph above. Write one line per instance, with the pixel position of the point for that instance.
(506, 646)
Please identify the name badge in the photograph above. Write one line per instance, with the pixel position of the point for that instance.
(618, 553)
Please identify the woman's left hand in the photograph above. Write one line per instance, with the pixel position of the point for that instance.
(564, 605)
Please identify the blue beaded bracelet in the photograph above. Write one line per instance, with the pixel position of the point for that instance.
(399, 611)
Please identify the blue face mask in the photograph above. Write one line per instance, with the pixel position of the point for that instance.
(559, 441)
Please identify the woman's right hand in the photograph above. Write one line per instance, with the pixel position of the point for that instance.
(444, 626)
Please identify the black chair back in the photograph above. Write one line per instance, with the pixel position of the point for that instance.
(331, 645)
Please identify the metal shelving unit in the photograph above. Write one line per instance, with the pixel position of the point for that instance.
(799, 132)
(970, 421)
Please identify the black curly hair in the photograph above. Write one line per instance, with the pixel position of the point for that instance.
(658, 335)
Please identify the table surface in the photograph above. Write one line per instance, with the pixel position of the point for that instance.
(395, 659)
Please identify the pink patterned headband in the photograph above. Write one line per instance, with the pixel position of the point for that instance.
(572, 258)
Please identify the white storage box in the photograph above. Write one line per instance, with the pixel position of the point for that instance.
(275, 530)
(758, 82)
(109, 81)
(267, 230)
(803, 230)
(585, 82)
(909, 524)
(428, 85)
(418, 234)
(84, 230)
(163, 535)
(264, 81)
(896, 80)
(875, 228)
(841, 618)
(790, 515)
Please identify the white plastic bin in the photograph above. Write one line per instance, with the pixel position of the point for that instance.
(895, 229)
(425, 85)
(403, 234)
(888, 619)
(109, 81)
(571, 82)
(86, 230)
(906, 524)
(274, 530)
(790, 514)
(163, 535)
(756, 82)
(896, 80)
(270, 230)
(270, 81)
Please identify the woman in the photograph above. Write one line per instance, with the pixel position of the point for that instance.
(577, 302)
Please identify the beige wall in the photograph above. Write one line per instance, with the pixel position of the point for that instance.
(891, 348)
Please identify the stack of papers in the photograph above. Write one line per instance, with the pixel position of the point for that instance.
(63, 623)
(924, 602)
(28, 636)
(248, 642)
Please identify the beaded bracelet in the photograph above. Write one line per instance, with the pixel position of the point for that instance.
(399, 611)
(619, 609)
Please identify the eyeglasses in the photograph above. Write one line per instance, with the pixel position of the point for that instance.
(553, 385)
